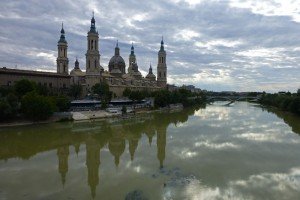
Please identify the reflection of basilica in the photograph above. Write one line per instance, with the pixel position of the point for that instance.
(102, 135)
(63, 154)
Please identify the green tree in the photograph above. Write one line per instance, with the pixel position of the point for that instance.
(62, 103)
(124, 110)
(102, 89)
(6, 111)
(5, 91)
(75, 91)
(41, 89)
(12, 100)
(23, 86)
(136, 96)
(126, 92)
(37, 107)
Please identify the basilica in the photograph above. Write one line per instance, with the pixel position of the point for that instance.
(117, 76)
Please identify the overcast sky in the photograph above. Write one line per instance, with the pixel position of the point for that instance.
(241, 45)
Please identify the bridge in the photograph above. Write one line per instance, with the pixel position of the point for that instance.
(231, 99)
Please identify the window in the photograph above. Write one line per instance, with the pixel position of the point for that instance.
(95, 45)
(165, 74)
(92, 43)
(50, 85)
(95, 63)
(159, 74)
(64, 52)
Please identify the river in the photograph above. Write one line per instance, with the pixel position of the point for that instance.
(240, 151)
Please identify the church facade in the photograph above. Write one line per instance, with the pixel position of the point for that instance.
(117, 76)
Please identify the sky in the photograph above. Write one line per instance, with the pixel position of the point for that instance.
(219, 45)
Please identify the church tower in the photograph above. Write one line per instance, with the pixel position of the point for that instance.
(93, 68)
(162, 66)
(62, 60)
(132, 59)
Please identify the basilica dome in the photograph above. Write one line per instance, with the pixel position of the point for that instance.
(117, 62)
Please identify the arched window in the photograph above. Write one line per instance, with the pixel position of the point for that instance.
(64, 52)
(95, 63)
(92, 43)
(162, 59)
(96, 45)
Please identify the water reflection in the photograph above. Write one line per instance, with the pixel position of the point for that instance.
(112, 135)
(218, 153)
(288, 118)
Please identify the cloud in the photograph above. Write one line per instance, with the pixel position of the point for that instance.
(215, 45)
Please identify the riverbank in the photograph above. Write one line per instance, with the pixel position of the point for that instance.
(285, 102)
(78, 116)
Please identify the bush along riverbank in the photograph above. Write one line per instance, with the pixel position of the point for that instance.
(27, 100)
(283, 101)
(165, 98)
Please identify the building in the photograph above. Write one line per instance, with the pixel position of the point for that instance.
(115, 76)
(56, 83)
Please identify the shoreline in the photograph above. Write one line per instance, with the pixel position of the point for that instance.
(82, 116)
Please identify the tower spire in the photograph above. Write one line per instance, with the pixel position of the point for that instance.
(117, 49)
(132, 49)
(150, 69)
(93, 24)
(162, 48)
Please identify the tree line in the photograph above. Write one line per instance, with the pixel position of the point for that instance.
(284, 101)
(164, 98)
(28, 100)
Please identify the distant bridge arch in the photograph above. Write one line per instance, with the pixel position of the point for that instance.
(231, 99)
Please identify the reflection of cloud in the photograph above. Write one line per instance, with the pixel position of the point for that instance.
(185, 153)
(268, 136)
(260, 186)
(217, 146)
(219, 113)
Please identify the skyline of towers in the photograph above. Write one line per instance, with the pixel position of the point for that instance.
(116, 66)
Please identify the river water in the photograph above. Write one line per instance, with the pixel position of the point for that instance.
(219, 152)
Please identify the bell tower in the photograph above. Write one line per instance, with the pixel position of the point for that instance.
(62, 60)
(93, 68)
(132, 59)
(162, 66)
